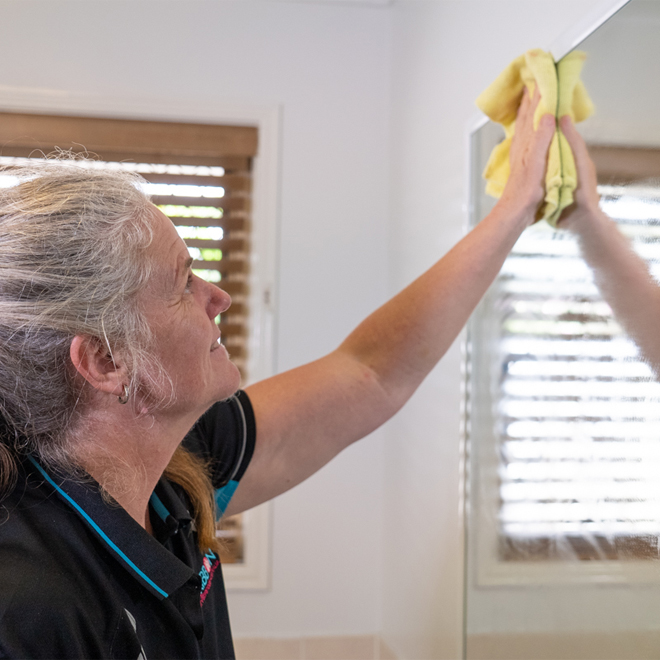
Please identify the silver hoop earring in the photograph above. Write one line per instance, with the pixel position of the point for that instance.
(124, 396)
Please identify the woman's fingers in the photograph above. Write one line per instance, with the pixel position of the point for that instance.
(538, 148)
(527, 110)
(545, 132)
(530, 147)
(528, 155)
(523, 109)
(524, 128)
(525, 117)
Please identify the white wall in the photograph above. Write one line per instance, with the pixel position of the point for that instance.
(327, 67)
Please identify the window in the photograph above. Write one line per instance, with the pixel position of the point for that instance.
(564, 414)
(197, 174)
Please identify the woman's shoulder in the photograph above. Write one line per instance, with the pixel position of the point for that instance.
(225, 437)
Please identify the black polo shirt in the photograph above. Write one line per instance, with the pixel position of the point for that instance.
(79, 578)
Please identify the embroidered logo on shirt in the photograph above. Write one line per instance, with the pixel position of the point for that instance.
(209, 564)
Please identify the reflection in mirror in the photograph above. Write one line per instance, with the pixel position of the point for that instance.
(564, 414)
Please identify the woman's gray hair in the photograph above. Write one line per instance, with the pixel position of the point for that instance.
(73, 244)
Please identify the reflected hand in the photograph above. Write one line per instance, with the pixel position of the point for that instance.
(529, 157)
(586, 194)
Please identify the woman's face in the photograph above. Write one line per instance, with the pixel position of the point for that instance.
(181, 309)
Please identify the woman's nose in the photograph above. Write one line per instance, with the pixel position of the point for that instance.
(219, 301)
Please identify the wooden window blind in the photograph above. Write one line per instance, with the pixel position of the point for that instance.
(197, 174)
(577, 414)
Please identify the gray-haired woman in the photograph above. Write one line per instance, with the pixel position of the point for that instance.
(123, 431)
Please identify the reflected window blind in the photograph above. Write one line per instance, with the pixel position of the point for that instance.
(197, 174)
(578, 412)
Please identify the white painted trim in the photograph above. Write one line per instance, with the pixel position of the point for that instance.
(254, 572)
(475, 122)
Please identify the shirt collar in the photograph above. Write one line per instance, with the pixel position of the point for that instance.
(171, 513)
(147, 560)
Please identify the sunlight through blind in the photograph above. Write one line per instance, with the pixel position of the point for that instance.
(578, 417)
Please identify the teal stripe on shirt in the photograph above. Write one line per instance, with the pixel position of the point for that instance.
(223, 496)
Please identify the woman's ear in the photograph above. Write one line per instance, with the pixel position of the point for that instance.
(104, 371)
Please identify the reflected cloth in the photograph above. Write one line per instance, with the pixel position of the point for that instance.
(562, 93)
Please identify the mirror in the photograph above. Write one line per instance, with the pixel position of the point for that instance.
(563, 483)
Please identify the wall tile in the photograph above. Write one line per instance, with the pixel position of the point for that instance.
(268, 649)
(339, 648)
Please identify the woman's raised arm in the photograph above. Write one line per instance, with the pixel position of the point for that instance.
(306, 416)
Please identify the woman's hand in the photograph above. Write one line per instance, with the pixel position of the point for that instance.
(586, 195)
(528, 158)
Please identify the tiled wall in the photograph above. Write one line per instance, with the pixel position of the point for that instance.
(363, 647)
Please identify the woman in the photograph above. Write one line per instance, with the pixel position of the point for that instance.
(116, 394)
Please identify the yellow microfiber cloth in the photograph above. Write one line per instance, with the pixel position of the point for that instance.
(562, 93)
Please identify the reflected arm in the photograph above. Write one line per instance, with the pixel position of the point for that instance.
(620, 273)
